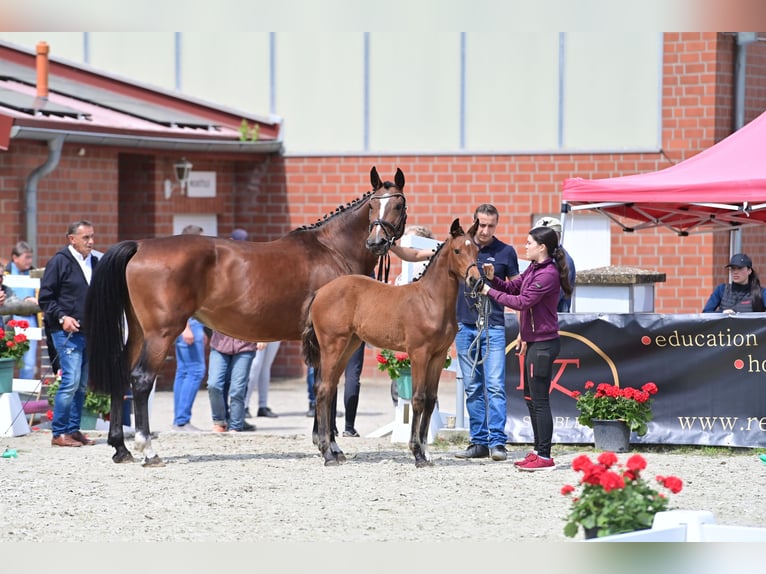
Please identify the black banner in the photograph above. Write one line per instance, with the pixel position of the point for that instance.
(710, 370)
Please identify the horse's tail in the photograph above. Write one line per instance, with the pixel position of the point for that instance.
(310, 342)
(105, 308)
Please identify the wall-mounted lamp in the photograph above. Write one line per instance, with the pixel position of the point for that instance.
(182, 171)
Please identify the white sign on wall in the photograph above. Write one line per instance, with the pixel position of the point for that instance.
(201, 184)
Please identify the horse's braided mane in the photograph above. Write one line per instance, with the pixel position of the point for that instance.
(436, 252)
(338, 210)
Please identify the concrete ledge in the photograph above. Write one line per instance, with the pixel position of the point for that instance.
(618, 275)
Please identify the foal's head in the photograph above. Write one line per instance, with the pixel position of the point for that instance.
(388, 212)
(463, 253)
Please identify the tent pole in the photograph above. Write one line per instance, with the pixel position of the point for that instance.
(565, 208)
(735, 242)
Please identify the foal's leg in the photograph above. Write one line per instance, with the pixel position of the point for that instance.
(423, 401)
(324, 423)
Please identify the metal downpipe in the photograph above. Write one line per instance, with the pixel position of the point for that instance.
(55, 145)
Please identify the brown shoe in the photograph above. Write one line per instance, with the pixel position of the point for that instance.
(82, 439)
(64, 440)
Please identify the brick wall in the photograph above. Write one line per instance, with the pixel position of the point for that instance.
(122, 191)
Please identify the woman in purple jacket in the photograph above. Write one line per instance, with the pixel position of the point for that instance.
(535, 294)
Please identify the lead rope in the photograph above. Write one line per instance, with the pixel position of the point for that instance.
(384, 264)
(482, 305)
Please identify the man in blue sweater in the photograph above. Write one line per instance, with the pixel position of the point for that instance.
(63, 289)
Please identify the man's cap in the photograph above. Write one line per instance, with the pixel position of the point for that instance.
(239, 235)
(740, 260)
(551, 222)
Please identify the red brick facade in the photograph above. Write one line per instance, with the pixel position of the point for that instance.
(122, 191)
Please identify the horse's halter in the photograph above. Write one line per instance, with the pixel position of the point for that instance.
(391, 232)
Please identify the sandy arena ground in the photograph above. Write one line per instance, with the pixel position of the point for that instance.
(271, 485)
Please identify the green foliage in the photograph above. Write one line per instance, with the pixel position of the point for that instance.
(394, 362)
(610, 402)
(614, 498)
(247, 133)
(97, 403)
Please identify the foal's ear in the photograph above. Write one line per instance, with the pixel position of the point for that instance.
(455, 230)
(375, 179)
(474, 228)
(399, 178)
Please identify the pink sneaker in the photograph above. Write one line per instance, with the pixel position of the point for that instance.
(530, 457)
(538, 463)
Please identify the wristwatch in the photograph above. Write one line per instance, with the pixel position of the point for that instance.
(61, 319)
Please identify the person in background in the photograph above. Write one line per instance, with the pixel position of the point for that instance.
(482, 365)
(228, 374)
(21, 264)
(63, 289)
(260, 369)
(260, 378)
(742, 294)
(352, 376)
(565, 302)
(310, 379)
(190, 364)
(535, 293)
(351, 387)
(230, 361)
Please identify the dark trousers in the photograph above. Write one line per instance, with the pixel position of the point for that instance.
(538, 371)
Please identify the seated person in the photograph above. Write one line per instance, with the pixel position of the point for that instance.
(743, 294)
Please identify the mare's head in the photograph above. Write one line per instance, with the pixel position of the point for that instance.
(463, 253)
(388, 212)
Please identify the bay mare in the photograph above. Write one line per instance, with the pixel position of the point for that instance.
(248, 290)
(418, 318)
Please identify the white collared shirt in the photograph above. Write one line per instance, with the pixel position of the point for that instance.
(85, 263)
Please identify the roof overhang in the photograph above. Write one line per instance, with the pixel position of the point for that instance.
(147, 142)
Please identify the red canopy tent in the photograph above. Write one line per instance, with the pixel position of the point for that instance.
(720, 189)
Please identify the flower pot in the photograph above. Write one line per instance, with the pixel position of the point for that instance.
(611, 435)
(6, 374)
(404, 384)
(591, 533)
(88, 420)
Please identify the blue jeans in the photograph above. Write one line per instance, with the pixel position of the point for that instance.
(29, 368)
(67, 405)
(190, 370)
(234, 369)
(485, 386)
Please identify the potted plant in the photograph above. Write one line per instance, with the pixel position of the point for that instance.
(397, 365)
(613, 497)
(95, 404)
(12, 350)
(631, 408)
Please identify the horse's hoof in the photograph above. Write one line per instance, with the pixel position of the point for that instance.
(423, 463)
(123, 456)
(340, 457)
(331, 462)
(154, 461)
